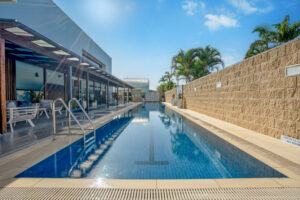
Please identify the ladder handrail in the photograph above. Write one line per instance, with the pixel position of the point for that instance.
(84, 112)
(70, 114)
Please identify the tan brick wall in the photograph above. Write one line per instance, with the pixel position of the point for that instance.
(255, 93)
(169, 94)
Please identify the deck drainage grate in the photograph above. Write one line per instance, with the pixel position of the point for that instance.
(149, 194)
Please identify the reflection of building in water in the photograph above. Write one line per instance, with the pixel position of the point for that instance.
(140, 120)
(153, 106)
(142, 116)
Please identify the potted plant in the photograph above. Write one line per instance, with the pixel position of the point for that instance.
(35, 97)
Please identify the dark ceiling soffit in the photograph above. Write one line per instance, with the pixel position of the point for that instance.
(8, 23)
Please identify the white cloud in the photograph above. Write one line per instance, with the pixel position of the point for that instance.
(191, 7)
(214, 22)
(251, 6)
(243, 5)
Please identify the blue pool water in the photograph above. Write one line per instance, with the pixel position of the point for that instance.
(153, 142)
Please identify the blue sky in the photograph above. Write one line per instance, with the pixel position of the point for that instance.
(142, 36)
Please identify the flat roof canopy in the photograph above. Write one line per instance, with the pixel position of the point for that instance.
(28, 45)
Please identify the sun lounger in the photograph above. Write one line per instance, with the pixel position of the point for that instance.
(18, 114)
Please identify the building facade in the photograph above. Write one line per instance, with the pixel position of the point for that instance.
(138, 83)
(44, 53)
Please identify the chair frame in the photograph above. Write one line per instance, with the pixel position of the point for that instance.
(19, 114)
(48, 106)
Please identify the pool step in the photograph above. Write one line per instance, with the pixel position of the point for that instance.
(108, 142)
(76, 173)
(86, 165)
(99, 151)
(93, 157)
(103, 146)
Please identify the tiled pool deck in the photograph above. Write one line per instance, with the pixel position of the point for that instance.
(277, 154)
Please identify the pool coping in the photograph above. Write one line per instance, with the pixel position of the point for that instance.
(293, 179)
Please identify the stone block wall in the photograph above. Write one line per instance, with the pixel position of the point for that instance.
(254, 94)
(169, 94)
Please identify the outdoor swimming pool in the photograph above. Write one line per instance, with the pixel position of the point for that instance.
(152, 142)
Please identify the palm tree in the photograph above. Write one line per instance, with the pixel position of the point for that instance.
(285, 31)
(182, 64)
(267, 40)
(256, 47)
(267, 35)
(196, 63)
(166, 82)
(210, 58)
(167, 77)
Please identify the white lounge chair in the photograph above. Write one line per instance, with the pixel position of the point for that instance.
(18, 114)
(47, 103)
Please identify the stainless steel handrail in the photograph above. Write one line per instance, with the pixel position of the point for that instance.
(82, 109)
(70, 114)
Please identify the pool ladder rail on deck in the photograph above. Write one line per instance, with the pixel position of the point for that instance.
(84, 131)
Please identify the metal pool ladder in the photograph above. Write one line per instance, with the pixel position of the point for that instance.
(92, 127)
(83, 130)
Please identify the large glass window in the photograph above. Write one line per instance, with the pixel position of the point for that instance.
(82, 94)
(103, 94)
(29, 81)
(75, 87)
(55, 84)
(97, 93)
(121, 95)
(111, 96)
(92, 100)
(115, 96)
(130, 95)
